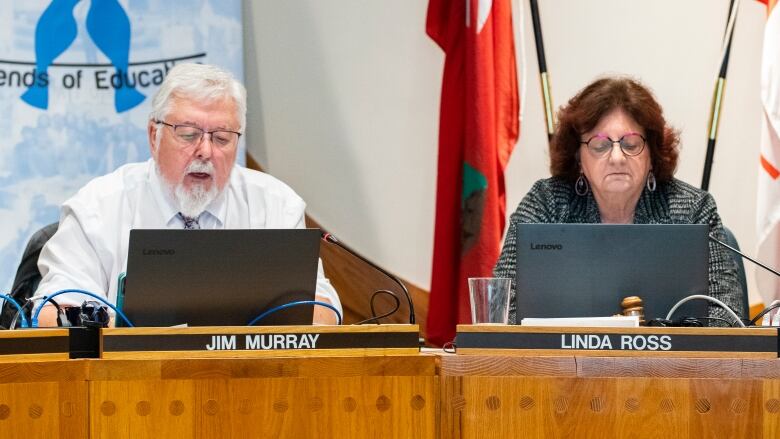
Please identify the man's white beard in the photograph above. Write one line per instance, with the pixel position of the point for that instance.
(193, 201)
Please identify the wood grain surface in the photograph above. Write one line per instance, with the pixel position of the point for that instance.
(426, 395)
(597, 397)
(340, 397)
(44, 399)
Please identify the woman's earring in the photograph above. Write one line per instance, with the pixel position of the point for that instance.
(581, 186)
(651, 183)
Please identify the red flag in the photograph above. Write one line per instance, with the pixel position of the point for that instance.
(478, 128)
(768, 205)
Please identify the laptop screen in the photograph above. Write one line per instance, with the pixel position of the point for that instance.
(585, 270)
(220, 277)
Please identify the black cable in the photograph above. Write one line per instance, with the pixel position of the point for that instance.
(375, 318)
(60, 312)
(374, 296)
(720, 319)
(450, 347)
(686, 322)
(327, 237)
(690, 322)
(762, 313)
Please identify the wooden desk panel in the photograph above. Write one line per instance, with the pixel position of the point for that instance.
(394, 397)
(43, 399)
(591, 397)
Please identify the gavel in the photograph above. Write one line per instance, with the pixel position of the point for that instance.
(633, 306)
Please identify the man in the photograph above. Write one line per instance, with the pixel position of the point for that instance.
(198, 115)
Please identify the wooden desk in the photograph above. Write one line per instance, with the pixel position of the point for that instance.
(326, 397)
(422, 395)
(599, 397)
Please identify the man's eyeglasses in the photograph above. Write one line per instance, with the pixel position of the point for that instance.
(190, 135)
(631, 144)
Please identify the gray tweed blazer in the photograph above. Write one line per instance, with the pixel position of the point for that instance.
(553, 200)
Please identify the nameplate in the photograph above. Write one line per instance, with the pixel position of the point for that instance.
(258, 341)
(34, 344)
(644, 341)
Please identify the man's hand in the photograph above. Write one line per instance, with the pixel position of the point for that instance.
(322, 315)
(48, 316)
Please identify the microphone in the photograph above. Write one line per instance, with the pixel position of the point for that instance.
(744, 255)
(773, 305)
(327, 237)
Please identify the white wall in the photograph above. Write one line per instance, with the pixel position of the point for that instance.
(344, 95)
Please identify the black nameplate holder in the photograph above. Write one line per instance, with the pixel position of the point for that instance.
(49, 344)
(644, 341)
(243, 341)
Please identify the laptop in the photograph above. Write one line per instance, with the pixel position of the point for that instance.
(220, 277)
(585, 270)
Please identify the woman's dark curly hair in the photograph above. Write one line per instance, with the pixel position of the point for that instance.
(585, 110)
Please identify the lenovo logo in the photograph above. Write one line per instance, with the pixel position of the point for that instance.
(158, 252)
(546, 246)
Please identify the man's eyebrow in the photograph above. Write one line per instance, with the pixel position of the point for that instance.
(223, 127)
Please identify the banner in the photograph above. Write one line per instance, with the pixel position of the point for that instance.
(478, 129)
(76, 83)
(768, 215)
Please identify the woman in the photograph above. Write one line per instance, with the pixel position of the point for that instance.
(612, 160)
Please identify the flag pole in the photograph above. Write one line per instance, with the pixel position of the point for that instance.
(543, 76)
(717, 96)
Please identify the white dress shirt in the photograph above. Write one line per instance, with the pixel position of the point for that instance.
(89, 250)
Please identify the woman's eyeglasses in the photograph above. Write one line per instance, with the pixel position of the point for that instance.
(631, 144)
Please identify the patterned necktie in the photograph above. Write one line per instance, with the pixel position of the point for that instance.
(189, 223)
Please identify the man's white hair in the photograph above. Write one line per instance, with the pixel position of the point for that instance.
(200, 82)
